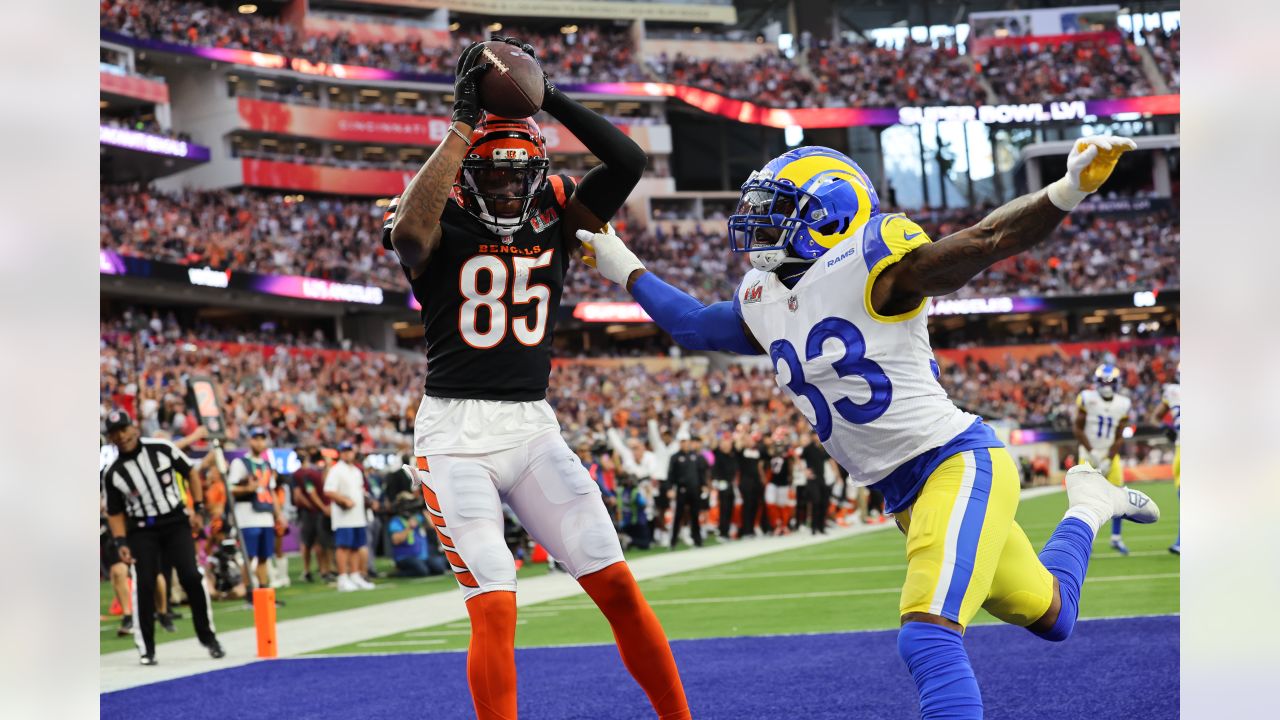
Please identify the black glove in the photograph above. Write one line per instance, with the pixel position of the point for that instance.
(466, 85)
(549, 88)
(1171, 434)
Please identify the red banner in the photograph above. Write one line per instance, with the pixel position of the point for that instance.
(372, 127)
(323, 179)
(132, 86)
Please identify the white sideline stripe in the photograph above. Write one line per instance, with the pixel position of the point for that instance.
(301, 636)
(396, 643)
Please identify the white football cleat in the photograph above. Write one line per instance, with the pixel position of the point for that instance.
(361, 584)
(345, 584)
(1088, 488)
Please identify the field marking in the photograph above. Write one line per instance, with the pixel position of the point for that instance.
(398, 643)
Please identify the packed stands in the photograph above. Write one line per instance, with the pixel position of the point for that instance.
(305, 387)
(823, 75)
(591, 55)
(1067, 71)
(339, 239)
(299, 391)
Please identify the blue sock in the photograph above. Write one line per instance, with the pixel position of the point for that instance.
(1115, 527)
(938, 663)
(1066, 556)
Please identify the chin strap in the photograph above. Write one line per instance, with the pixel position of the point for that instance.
(791, 269)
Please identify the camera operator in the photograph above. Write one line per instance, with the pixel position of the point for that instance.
(409, 542)
(148, 518)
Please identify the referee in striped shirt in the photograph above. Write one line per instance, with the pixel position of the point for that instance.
(147, 517)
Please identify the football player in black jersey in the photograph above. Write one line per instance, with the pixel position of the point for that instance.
(485, 235)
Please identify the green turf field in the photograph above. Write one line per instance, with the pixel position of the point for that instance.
(847, 584)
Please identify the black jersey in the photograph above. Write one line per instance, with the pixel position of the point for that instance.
(489, 303)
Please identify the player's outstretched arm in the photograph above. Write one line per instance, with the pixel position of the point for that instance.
(693, 325)
(947, 265)
(415, 226)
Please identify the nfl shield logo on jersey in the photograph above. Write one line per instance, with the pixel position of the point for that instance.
(792, 303)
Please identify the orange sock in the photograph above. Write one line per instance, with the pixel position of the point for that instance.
(491, 657)
(641, 640)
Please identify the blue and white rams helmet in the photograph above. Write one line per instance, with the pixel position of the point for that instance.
(1107, 379)
(799, 205)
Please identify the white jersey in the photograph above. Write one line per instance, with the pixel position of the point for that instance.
(866, 382)
(1173, 398)
(1102, 417)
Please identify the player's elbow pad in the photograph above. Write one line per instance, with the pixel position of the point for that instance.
(690, 323)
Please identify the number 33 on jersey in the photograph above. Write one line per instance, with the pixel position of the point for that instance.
(866, 382)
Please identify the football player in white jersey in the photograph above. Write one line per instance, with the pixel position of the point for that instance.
(1171, 405)
(837, 299)
(1101, 416)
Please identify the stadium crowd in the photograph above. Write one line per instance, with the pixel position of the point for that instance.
(1066, 71)
(824, 74)
(305, 387)
(338, 239)
(593, 54)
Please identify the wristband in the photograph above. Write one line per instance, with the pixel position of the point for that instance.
(1064, 195)
(117, 543)
(453, 128)
(199, 508)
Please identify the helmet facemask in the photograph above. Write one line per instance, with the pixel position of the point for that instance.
(766, 218)
(501, 191)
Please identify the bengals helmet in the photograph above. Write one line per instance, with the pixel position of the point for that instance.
(504, 170)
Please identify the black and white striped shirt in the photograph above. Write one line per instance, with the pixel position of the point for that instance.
(142, 484)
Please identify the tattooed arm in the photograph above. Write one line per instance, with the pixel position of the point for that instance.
(947, 265)
(416, 232)
(416, 229)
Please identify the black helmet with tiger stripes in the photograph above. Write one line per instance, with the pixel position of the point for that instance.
(503, 171)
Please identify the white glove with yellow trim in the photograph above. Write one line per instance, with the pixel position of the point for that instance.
(1088, 166)
(606, 252)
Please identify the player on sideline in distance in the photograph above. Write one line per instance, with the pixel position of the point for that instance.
(1101, 416)
(485, 237)
(837, 298)
(1171, 405)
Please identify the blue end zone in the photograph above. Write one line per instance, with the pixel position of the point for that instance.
(1109, 668)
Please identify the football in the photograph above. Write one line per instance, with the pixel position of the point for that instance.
(513, 87)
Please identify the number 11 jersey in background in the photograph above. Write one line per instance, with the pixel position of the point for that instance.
(866, 382)
(489, 303)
